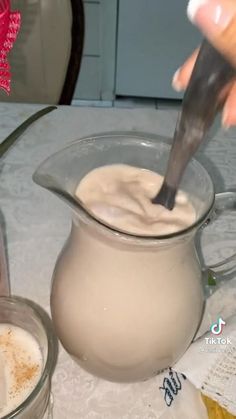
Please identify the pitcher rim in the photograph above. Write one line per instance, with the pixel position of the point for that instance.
(133, 136)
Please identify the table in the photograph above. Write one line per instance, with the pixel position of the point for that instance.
(37, 223)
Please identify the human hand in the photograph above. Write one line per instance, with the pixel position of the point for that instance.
(217, 21)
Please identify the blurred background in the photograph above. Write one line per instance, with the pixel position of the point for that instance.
(100, 52)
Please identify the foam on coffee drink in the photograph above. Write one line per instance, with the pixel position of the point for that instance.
(20, 366)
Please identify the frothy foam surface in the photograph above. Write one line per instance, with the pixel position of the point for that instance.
(20, 366)
(120, 195)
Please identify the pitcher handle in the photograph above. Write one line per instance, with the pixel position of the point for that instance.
(217, 275)
(214, 276)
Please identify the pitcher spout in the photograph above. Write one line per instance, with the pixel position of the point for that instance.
(61, 173)
(54, 185)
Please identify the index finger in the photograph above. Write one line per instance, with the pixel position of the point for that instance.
(183, 74)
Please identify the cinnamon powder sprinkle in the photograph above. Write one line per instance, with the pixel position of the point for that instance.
(22, 371)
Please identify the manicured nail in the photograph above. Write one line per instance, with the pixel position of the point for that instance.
(176, 82)
(193, 7)
(211, 16)
(225, 122)
(225, 127)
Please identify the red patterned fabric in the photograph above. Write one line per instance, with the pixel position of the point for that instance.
(9, 28)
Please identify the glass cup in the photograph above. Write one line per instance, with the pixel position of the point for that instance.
(32, 318)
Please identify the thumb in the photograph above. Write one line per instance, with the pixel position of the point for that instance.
(217, 21)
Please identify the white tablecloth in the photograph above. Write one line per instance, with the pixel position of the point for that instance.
(37, 223)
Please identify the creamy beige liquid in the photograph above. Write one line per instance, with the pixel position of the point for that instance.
(125, 309)
(121, 196)
(20, 366)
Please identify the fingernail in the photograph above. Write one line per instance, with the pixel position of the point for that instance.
(225, 122)
(211, 16)
(176, 82)
(225, 127)
(193, 6)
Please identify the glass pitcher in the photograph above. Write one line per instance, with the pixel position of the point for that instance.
(126, 306)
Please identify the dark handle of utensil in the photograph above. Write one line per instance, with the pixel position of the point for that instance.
(14, 135)
(207, 89)
(206, 92)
